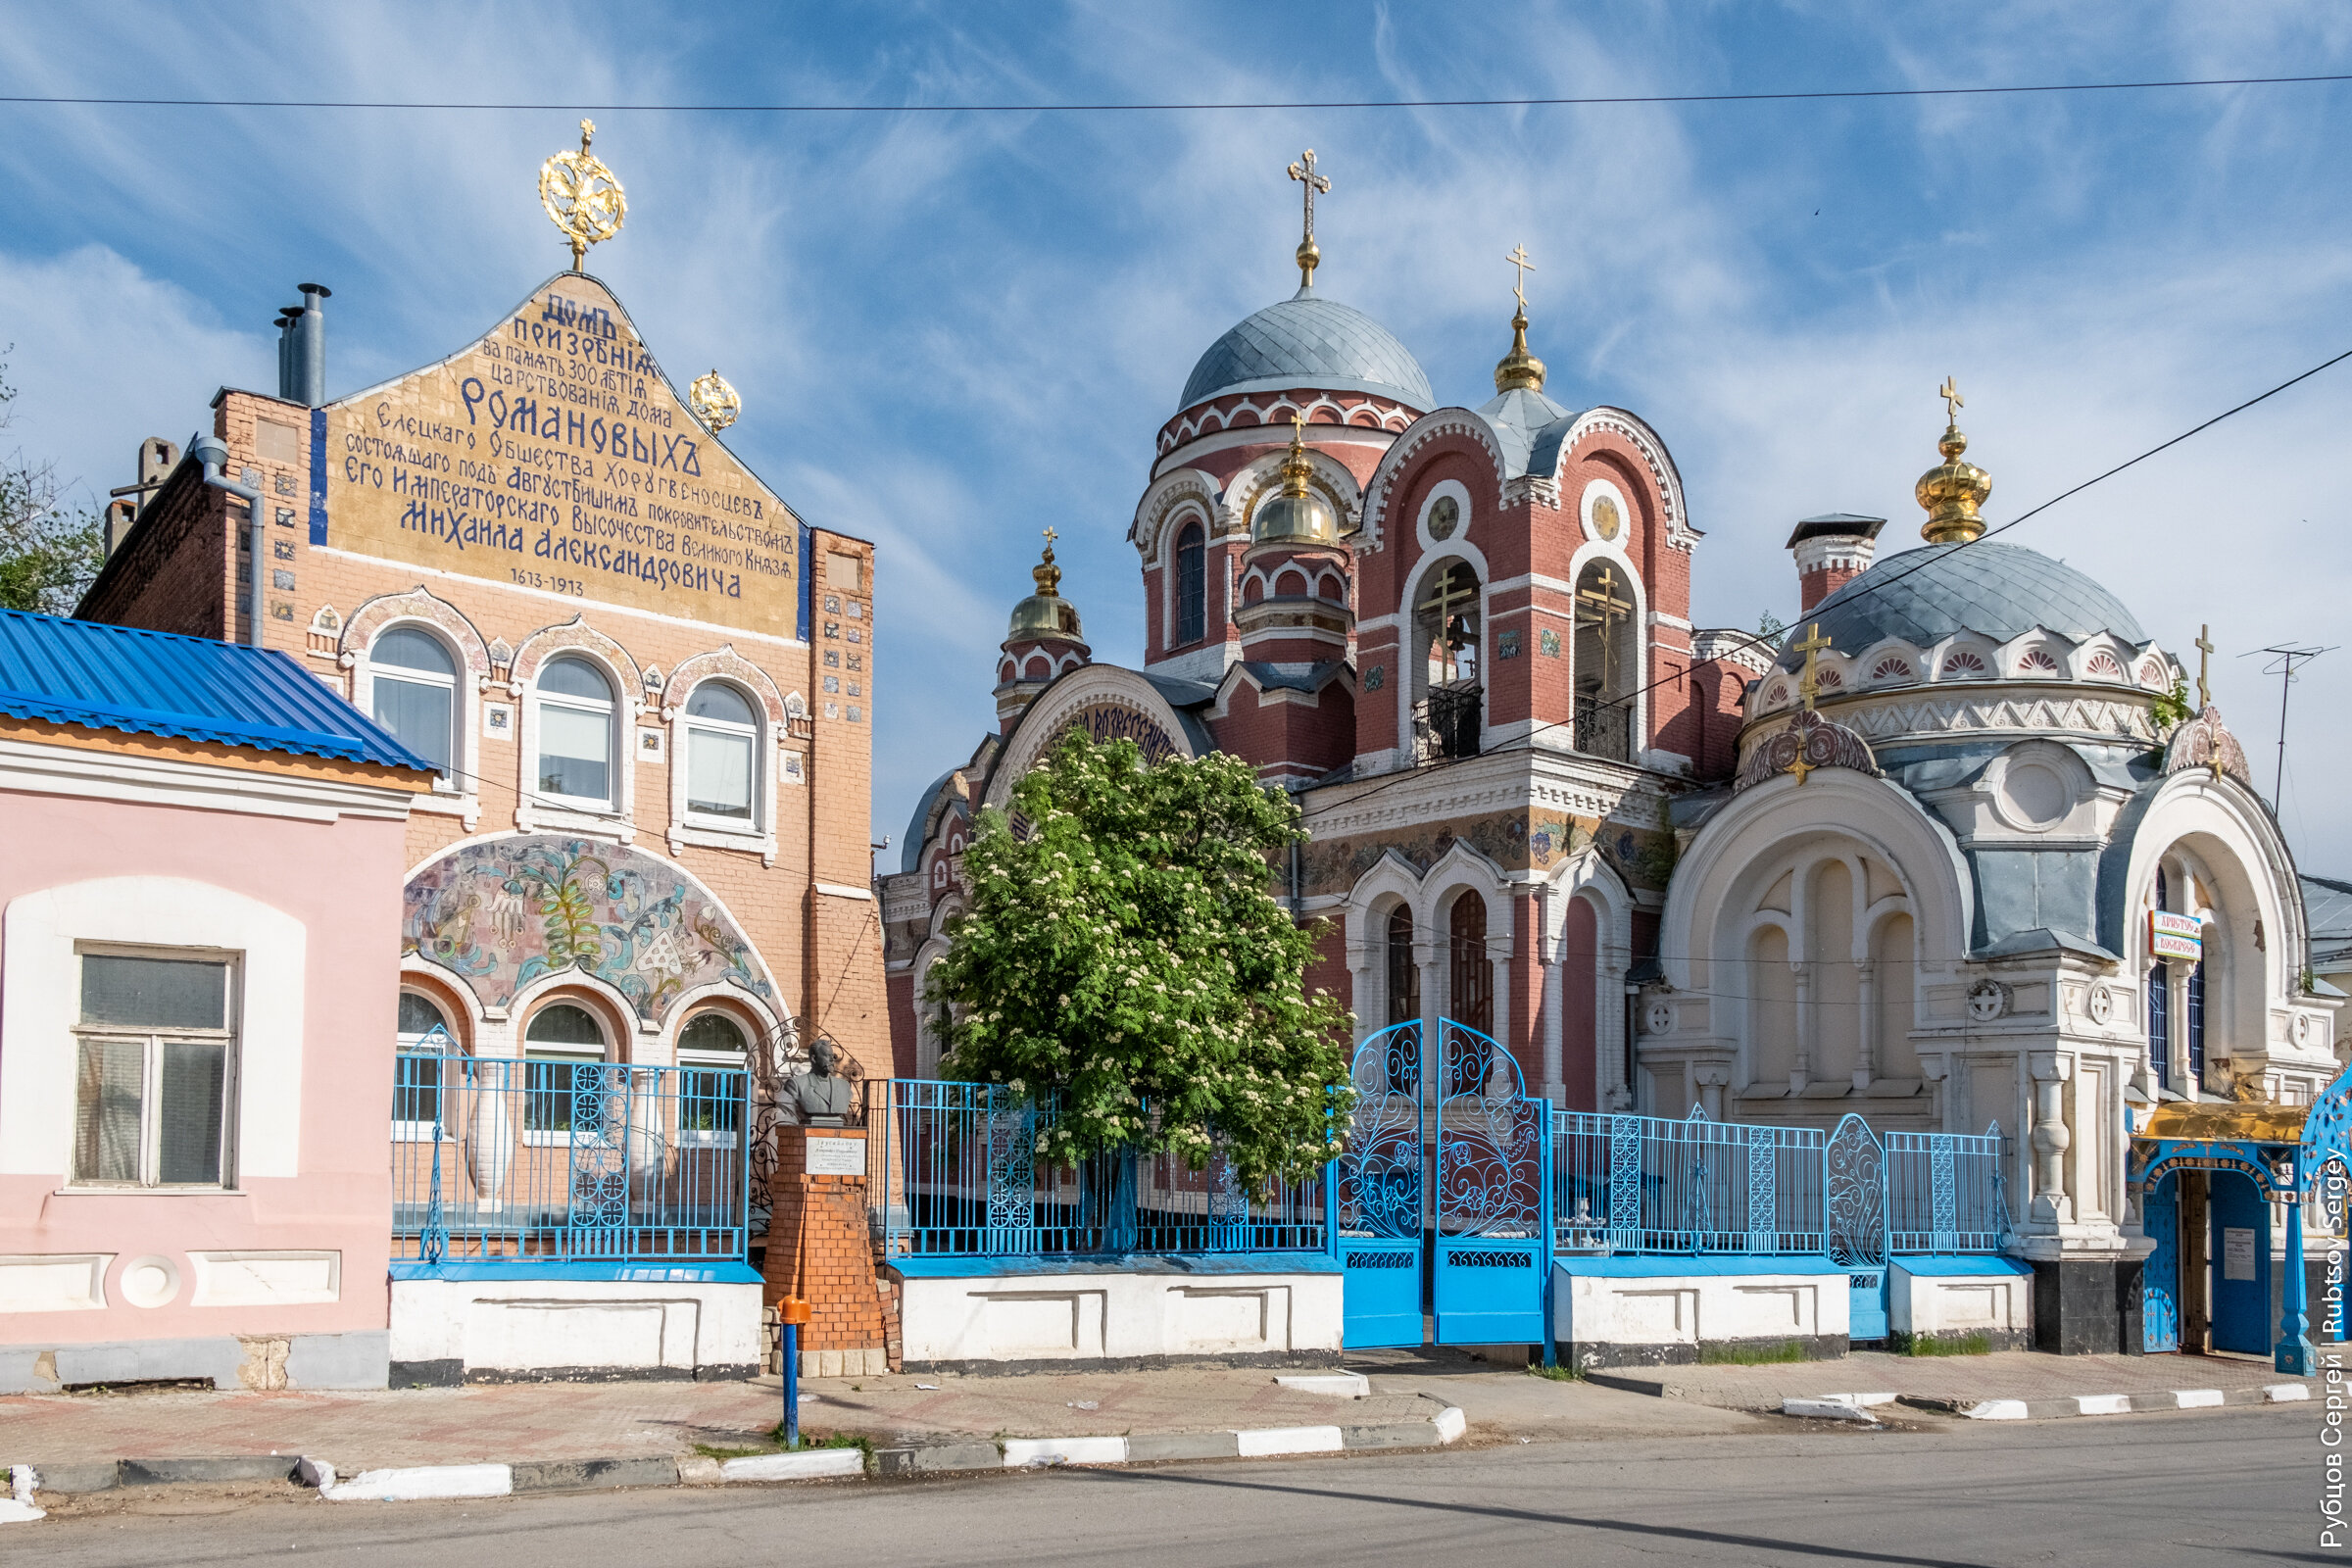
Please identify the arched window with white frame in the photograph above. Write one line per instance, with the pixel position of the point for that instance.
(1191, 586)
(722, 751)
(415, 694)
(579, 735)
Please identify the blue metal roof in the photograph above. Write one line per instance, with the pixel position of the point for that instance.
(100, 676)
(1306, 341)
(1997, 591)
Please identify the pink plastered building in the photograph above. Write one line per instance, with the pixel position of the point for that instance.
(201, 886)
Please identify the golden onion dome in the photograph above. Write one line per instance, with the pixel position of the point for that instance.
(1519, 371)
(1299, 514)
(1045, 612)
(1952, 490)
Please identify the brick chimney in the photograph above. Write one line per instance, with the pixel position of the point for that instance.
(1831, 551)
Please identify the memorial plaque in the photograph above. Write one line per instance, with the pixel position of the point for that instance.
(2237, 1252)
(836, 1157)
(553, 453)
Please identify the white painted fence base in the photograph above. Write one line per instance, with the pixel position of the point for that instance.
(419, 1483)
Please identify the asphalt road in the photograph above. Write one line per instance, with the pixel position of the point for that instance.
(2196, 1487)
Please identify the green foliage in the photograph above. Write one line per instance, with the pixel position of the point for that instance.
(1737, 1355)
(1771, 625)
(2170, 710)
(1559, 1372)
(49, 553)
(1942, 1345)
(1127, 949)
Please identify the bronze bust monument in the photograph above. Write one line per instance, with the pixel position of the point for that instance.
(821, 1094)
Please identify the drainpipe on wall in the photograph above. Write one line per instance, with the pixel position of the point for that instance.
(210, 451)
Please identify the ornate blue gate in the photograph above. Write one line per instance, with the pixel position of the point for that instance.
(1855, 1171)
(1375, 1194)
(1493, 1230)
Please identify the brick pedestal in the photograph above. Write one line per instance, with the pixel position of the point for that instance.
(818, 1249)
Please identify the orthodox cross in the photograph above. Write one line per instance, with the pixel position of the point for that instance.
(1812, 644)
(1518, 259)
(2204, 646)
(1303, 171)
(1444, 599)
(1598, 606)
(1051, 536)
(1953, 402)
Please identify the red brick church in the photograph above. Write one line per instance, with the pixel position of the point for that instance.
(1460, 636)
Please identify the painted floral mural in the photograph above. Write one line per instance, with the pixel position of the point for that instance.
(503, 913)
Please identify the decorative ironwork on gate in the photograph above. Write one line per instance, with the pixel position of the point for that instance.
(1855, 1173)
(1379, 1175)
(1491, 1141)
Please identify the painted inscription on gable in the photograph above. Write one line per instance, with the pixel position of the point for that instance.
(553, 454)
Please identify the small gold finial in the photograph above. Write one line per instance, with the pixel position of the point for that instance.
(1519, 369)
(2204, 647)
(714, 402)
(1045, 612)
(1310, 254)
(582, 197)
(1952, 491)
(1297, 472)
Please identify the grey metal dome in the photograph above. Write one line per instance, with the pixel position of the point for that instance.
(1306, 341)
(1997, 591)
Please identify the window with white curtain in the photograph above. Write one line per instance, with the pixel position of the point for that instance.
(415, 695)
(722, 735)
(155, 1070)
(578, 734)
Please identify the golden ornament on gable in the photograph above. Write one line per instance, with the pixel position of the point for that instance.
(582, 197)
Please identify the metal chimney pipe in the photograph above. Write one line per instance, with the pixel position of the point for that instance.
(310, 347)
(212, 453)
(288, 315)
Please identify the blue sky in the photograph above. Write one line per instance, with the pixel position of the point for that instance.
(952, 330)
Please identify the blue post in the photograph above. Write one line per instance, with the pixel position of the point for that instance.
(1544, 1217)
(792, 1386)
(2294, 1355)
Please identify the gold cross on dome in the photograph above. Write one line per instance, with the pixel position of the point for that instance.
(1051, 536)
(1303, 171)
(2204, 647)
(1811, 645)
(1953, 402)
(1518, 259)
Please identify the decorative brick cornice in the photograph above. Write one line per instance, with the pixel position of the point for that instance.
(1417, 438)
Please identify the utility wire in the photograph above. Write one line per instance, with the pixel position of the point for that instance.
(1868, 588)
(1825, 95)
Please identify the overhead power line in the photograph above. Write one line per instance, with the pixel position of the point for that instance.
(1586, 102)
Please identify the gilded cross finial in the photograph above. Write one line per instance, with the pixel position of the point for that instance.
(582, 197)
(1051, 536)
(1811, 645)
(1953, 402)
(2204, 646)
(1309, 252)
(1518, 259)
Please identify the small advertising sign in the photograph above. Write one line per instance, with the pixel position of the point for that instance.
(836, 1157)
(2174, 936)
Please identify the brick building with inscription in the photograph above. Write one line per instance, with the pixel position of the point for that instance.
(647, 685)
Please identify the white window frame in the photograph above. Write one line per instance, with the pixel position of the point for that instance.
(456, 782)
(689, 1059)
(421, 1132)
(150, 1173)
(614, 802)
(755, 824)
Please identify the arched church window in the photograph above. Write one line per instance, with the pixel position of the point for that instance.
(415, 695)
(579, 740)
(1607, 660)
(1404, 975)
(1471, 983)
(722, 734)
(1446, 630)
(1191, 586)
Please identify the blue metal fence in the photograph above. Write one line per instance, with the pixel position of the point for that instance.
(959, 1174)
(1647, 1184)
(497, 1160)
(1945, 1193)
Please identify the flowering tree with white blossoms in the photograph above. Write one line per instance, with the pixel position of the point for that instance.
(1126, 954)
